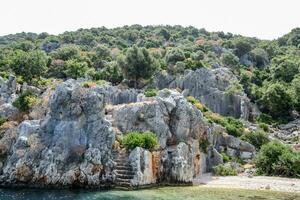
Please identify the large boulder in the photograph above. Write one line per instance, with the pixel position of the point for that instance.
(7, 110)
(180, 163)
(168, 115)
(142, 162)
(210, 87)
(71, 146)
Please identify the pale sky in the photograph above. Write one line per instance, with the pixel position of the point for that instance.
(265, 19)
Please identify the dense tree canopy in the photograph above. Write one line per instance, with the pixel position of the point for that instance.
(267, 70)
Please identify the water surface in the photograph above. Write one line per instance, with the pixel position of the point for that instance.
(166, 193)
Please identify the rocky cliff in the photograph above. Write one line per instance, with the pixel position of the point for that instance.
(210, 87)
(71, 137)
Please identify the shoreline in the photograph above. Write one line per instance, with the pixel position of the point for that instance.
(278, 184)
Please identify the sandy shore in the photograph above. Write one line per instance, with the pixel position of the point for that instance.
(255, 183)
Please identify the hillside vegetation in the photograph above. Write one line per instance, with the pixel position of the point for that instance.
(268, 71)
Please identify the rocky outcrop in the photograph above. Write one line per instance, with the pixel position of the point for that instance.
(288, 133)
(115, 95)
(179, 127)
(8, 89)
(69, 139)
(143, 165)
(210, 87)
(230, 145)
(71, 146)
(168, 115)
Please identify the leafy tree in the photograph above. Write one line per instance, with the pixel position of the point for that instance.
(198, 55)
(284, 68)
(229, 59)
(100, 55)
(66, 52)
(165, 33)
(260, 57)
(276, 100)
(24, 45)
(111, 72)
(296, 91)
(242, 46)
(174, 56)
(30, 65)
(138, 63)
(76, 69)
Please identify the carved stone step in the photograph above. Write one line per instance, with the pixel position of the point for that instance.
(123, 180)
(126, 172)
(124, 176)
(127, 168)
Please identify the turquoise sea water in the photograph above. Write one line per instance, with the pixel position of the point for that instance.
(167, 193)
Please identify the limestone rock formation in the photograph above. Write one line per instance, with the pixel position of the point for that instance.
(8, 89)
(168, 115)
(209, 86)
(71, 146)
(69, 139)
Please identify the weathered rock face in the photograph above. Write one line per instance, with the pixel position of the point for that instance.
(288, 133)
(180, 163)
(174, 120)
(71, 146)
(209, 86)
(114, 95)
(70, 139)
(168, 115)
(143, 164)
(8, 91)
(232, 146)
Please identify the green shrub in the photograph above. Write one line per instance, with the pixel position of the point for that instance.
(2, 120)
(234, 126)
(226, 158)
(146, 140)
(278, 159)
(264, 118)
(257, 138)
(150, 92)
(204, 144)
(196, 103)
(221, 170)
(25, 101)
(264, 126)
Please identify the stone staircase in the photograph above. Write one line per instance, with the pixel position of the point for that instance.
(123, 171)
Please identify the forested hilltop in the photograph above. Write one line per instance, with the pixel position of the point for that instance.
(268, 71)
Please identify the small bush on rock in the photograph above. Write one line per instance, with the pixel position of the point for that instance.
(2, 120)
(277, 159)
(150, 92)
(196, 103)
(146, 140)
(204, 144)
(257, 138)
(25, 101)
(221, 170)
(264, 126)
